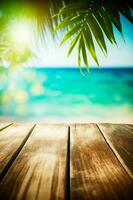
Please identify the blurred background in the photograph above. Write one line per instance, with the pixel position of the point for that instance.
(62, 94)
(39, 83)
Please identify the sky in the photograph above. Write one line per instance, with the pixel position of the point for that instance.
(52, 54)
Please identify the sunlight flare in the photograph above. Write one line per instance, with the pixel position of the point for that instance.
(21, 32)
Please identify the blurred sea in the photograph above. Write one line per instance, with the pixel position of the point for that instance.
(63, 94)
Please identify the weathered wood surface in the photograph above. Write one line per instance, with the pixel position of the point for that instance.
(95, 171)
(55, 162)
(120, 138)
(39, 171)
(11, 140)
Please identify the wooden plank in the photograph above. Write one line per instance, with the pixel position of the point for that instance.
(128, 127)
(39, 171)
(95, 171)
(120, 138)
(11, 140)
(4, 125)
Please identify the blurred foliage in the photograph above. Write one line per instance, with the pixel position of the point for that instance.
(85, 23)
(14, 57)
(13, 53)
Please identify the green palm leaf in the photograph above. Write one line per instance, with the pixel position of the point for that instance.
(90, 44)
(67, 22)
(97, 32)
(72, 44)
(105, 24)
(79, 55)
(70, 33)
(83, 48)
(81, 21)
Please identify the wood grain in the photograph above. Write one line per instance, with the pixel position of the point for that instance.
(128, 127)
(11, 139)
(39, 171)
(120, 138)
(95, 171)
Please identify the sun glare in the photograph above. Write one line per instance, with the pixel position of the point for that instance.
(21, 32)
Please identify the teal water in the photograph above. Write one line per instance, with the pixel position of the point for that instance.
(63, 94)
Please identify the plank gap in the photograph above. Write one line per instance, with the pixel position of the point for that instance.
(115, 152)
(15, 155)
(39, 170)
(67, 190)
(6, 126)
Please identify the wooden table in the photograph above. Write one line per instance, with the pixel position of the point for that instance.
(61, 162)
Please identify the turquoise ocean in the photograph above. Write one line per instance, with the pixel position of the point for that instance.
(63, 94)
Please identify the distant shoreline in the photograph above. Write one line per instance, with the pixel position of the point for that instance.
(75, 67)
(70, 121)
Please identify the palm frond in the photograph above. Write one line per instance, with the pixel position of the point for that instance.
(85, 22)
